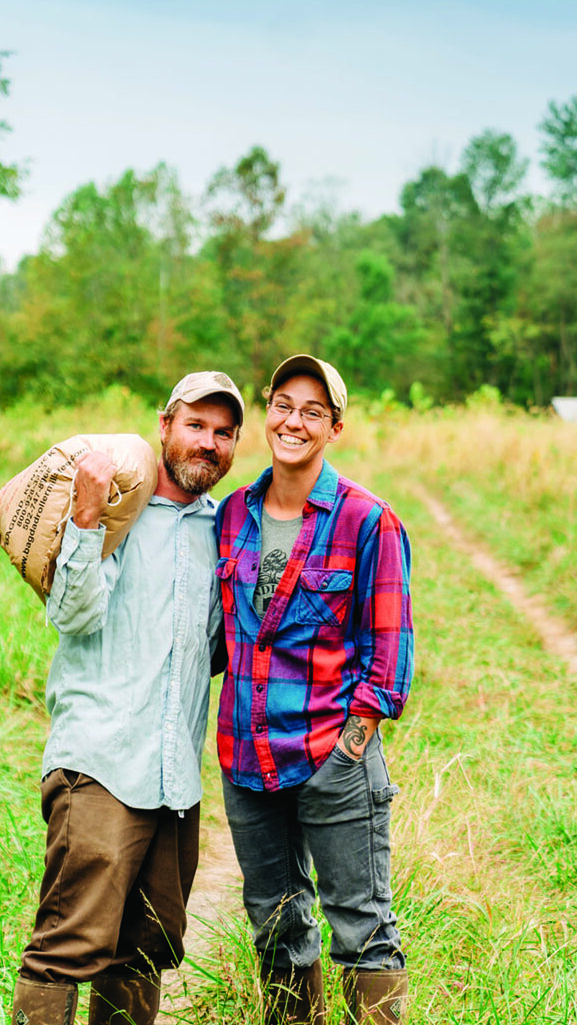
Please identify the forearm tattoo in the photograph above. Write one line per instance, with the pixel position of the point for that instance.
(354, 734)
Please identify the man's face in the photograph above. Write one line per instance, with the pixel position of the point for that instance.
(198, 443)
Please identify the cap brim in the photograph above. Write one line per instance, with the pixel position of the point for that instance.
(203, 393)
(293, 365)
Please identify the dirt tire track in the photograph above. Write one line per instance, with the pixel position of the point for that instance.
(555, 634)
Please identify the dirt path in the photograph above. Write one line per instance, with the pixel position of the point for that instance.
(216, 896)
(554, 633)
(217, 888)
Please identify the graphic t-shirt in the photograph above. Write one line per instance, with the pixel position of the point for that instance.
(278, 538)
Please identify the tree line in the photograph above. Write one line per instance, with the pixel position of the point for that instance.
(472, 283)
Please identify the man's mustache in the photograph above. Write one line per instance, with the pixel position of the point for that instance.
(202, 453)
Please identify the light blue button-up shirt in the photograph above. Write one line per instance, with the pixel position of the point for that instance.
(128, 689)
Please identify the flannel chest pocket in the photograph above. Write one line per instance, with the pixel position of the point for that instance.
(324, 596)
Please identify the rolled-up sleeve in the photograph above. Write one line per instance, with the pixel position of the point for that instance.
(385, 628)
(78, 600)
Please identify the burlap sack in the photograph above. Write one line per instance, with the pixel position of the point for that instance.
(36, 504)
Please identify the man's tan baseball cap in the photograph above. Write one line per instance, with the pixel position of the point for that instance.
(304, 364)
(206, 382)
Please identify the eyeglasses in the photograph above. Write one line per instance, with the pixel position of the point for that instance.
(312, 416)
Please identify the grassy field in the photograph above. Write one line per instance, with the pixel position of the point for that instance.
(485, 826)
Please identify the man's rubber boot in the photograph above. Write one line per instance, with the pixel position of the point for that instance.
(294, 995)
(116, 999)
(376, 997)
(44, 1003)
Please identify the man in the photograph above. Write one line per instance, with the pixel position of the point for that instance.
(128, 699)
(315, 583)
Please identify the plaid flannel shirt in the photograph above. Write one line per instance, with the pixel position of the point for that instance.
(336, 638)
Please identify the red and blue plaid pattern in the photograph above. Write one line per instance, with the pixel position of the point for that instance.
(336, 638)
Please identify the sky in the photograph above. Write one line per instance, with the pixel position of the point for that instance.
(353, 99)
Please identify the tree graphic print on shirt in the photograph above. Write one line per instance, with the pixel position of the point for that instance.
(278, 538)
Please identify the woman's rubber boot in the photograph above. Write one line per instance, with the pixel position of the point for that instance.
(294, 995)
(43, 1003)
(376, 997)
(116, 999)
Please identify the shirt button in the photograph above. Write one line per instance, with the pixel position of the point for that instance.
(253, 567)
(262, 647)
(259, 688)
(324, 585)
(259, 729)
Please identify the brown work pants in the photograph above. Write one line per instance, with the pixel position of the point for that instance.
(115, 886)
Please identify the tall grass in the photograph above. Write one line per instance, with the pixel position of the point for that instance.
(485, 758)
(485, 831)
(508, 476)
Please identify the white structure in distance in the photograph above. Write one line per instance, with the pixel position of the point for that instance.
(565, 407)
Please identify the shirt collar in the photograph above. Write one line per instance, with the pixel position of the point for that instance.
(202, 502)
(322, 495)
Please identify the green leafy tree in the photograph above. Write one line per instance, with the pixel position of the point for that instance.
(550, 305)
(498, 244)
(436, 206)
(495, 170)
(95, 305)
(250, 195)
(433, 260)
(374, 350)
(11, 175)
(326, 291)
(517, 344)
(559, 146)
(256, 274)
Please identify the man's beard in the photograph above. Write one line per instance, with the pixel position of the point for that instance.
(195, 480)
